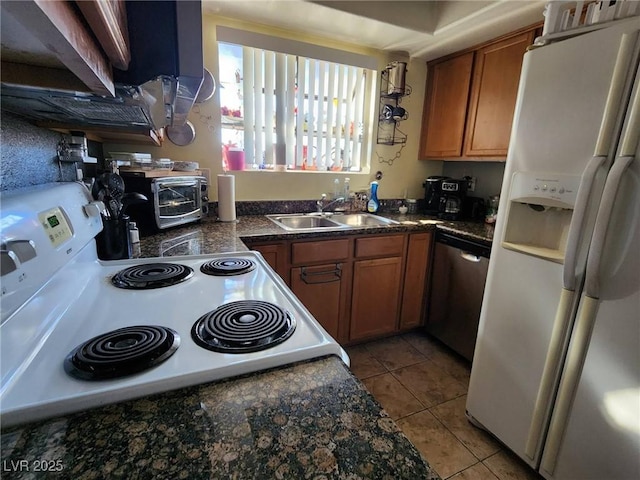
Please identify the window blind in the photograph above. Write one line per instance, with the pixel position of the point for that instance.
(301, 113)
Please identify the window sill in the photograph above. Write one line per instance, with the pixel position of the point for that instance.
(364, 171)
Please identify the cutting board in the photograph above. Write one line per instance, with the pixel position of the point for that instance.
(158, 173)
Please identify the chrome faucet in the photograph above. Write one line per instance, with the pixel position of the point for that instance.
(319, 204)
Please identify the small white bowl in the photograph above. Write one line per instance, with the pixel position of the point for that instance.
(403, 209)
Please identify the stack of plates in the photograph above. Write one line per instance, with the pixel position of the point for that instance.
(163, 164)
(186, 166)
(131, 156)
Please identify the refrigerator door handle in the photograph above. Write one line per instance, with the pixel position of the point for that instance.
(585, 320)
(626, 52)
(569, 383)
(577, 221)
(589, 305)
(561, 323)
(594, 260)
(628, 146)
(564, 313)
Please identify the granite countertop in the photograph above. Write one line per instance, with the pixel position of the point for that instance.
(308, 420)
(210, 236)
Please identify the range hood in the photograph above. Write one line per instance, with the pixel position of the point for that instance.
(157, 90)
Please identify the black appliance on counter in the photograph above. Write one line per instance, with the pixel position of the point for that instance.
(452, 198)
(474, 208)
(432, 193)
(173, 200)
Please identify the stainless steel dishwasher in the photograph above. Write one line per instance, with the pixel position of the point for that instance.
(457, 285)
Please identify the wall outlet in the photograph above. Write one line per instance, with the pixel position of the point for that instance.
(471, 184)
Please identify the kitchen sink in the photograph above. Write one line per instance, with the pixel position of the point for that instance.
(362, 220)
(304, 222)
(314, 221)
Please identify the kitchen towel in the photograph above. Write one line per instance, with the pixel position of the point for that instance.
(226, 198)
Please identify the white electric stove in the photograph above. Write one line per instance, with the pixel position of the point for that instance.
(78, 332)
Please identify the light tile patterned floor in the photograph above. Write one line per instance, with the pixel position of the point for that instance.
(423, 386)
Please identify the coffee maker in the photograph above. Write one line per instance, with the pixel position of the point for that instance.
(432, 193)
(452, 197)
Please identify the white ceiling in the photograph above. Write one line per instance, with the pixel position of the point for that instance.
(425, 29)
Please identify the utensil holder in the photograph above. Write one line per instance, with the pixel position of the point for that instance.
(113, 242)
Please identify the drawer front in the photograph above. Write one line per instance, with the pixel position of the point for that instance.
(387, 246)
(321, 251)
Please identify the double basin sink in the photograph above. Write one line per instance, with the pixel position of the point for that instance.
(321, 221)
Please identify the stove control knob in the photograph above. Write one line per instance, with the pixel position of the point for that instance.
(8, 262)
(93, 209)
(25, 250)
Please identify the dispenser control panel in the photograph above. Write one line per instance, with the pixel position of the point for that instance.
(545, 189)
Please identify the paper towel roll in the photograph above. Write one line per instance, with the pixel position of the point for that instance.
(226, 198)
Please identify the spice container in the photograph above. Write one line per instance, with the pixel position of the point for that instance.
(492, 209)
(412, 206)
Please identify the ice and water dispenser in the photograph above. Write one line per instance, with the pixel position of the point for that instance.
(539, 213)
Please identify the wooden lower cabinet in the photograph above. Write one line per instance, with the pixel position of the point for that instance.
(375, 299)
(358, 287)
(276, 256)
(323, 289)
(415, 281)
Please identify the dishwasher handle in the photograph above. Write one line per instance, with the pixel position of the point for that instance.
(467, 246)
(469, 257)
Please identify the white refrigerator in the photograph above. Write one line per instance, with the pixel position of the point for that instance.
(556, 370)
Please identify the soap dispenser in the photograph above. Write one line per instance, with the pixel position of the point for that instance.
(374, 204)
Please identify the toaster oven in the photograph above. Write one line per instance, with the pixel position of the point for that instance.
(171, 201)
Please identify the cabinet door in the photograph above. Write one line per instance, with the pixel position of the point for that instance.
(496, 74)
(57, 30)
(304, 253)
(321, 288)
(276, 256)
(376, 297)
(383, 246)
(415, 280)
(445, 107)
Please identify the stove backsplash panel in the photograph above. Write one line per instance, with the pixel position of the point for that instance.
(29, 155)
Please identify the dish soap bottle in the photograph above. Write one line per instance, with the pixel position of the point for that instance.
(374, 204)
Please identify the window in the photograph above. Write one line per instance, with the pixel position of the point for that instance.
(287, 105)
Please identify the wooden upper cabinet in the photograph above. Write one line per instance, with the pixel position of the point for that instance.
(470, 99)
(496, 74)
(55, 33)
(108, 22)
(445, 107)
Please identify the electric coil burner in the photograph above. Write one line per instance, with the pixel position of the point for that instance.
(227, 266)
(152, 275)
(243, 326)
(122, 352)
(57, 294)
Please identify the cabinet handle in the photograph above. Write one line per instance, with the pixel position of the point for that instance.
(308, 277)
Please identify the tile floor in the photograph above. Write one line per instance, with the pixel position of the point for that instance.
(423, 385)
